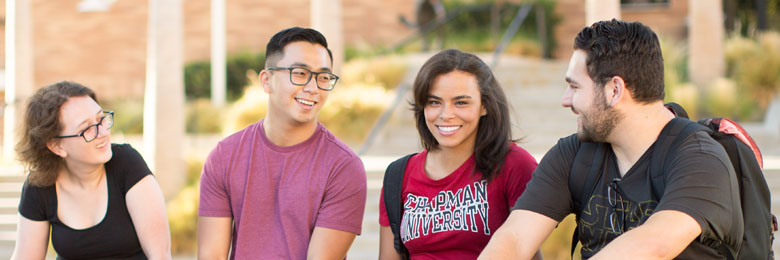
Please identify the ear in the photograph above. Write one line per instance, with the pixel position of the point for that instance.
(55, 146)
(483, 112)
(265, 80)
(615, 89)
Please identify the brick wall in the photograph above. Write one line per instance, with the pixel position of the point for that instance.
(667, 21)
(107, 50)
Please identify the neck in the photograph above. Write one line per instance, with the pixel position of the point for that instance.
(287, 134)
(443, 161)
(83, 176)
(637, 131)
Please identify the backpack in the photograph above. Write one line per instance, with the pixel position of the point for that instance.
(759, 223)
(391, 191)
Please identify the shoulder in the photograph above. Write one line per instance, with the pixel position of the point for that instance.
(701, 145)
(341, 156)
(332, 142)
(247, 134)
(517, 157)
(124, 155)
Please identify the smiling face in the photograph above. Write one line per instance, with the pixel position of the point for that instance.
(76, 114)
(453, 110)
(293, 104)
(596, 119)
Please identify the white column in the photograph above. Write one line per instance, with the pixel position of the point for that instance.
(705, 42)
(164, 95)
(599, 10)
(218, 52)
(19, 83)
(326, 18)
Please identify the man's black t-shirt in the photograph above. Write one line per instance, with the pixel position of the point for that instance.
(112, 238)
(700, 183)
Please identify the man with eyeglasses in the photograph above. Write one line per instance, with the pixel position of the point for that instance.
(616, 87)
(284, 187)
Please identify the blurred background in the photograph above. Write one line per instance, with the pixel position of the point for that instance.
(182, 74)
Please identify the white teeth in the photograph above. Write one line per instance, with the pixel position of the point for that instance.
(308, 103)
(448, 128)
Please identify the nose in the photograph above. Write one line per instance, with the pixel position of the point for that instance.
(566, 98)
(447, 112)
(311, 86)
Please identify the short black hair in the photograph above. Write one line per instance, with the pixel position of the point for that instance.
(275, 48)
(629, 50)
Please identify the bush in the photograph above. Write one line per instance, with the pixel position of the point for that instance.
(197, 75)
(203, 117)
(754, 64)
(385, 71)
(247, 110)
(128, 115)
(183, 212)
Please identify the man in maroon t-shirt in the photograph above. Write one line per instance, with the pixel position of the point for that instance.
(284, 187)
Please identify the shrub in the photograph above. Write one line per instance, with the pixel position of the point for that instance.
(183, 212)
(385, 71)
(128, 115)
(197, 75)
(247, 110)
(203, 117)
(754, 64)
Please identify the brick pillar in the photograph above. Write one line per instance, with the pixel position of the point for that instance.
(705, 42)
(218, 52)
(599, 10)
(164, 95)
(19, 83)
(326, 18)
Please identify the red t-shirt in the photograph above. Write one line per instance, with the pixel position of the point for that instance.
(454, 217)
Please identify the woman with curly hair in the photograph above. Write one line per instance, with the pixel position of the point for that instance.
(98, 200)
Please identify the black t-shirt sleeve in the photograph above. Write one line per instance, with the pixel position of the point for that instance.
(128, 164)
(32, 204)
(702, 184)
(548, 191)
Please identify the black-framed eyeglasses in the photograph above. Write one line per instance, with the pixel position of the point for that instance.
(92, 131)
(301, 76)
(614, 197)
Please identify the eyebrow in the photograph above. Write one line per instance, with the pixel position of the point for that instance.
(87, 120)
(300, 64)
(571, 81)
(455, 98)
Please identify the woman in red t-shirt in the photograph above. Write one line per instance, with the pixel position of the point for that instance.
(462, 186)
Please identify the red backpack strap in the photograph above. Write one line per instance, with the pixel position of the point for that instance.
(727, 126)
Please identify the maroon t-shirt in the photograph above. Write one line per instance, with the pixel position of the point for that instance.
(454, 217)
(277, 195)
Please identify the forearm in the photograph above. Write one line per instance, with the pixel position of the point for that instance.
(520, 236)
(664, 236)
(639, 243)
(504, 245)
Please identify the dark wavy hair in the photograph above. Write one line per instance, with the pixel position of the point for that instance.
(274, 50)
(494, 132)
(629, 50)
(41, 125)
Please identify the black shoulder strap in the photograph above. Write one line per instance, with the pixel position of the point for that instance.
(391, 186)
(669, 140)
(585, 171)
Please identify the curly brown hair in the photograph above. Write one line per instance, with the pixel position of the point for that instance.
(41, 125)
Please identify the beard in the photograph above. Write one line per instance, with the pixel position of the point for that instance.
(598, 123)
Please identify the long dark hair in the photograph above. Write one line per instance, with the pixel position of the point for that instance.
(494, 133)
(42, 124)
